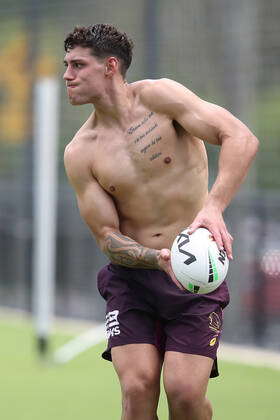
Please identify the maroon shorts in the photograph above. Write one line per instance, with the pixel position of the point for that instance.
(145, 306)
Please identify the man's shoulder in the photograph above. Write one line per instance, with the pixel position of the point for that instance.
(73, 154)
(76, 156)
(76, 144)
(77, 160)
(160, 94)
(146, 86)
(74, 147)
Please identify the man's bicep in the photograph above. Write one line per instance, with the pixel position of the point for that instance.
(98, 210)
(96, 206)
(200, 118)
(208, 121)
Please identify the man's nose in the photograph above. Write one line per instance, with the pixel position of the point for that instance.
(68, 75)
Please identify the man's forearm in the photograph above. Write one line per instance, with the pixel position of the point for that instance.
(235, 158)
(125, 251)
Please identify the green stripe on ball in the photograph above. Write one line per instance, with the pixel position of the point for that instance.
(192, 288)
(214, 268)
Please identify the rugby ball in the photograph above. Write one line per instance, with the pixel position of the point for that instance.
(197, 262)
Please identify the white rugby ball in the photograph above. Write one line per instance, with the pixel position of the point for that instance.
(197, 262)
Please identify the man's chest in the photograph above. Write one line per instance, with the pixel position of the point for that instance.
(140, 155)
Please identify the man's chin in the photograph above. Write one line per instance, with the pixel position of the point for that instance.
(76, 101)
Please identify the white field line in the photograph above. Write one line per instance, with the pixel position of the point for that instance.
(250, 356)
(95, 334)
(80, 344)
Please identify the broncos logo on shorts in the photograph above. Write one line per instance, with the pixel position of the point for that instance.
(215, 322)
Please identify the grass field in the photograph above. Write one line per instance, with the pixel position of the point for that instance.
(87, 388)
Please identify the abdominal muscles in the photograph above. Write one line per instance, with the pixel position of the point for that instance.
(155, 212)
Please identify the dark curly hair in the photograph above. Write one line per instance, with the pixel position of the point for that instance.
(104, 40)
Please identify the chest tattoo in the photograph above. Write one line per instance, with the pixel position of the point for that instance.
(132, 129)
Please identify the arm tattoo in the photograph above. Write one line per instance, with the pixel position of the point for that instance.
(123, 250)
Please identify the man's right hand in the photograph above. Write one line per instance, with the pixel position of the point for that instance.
(164, 262)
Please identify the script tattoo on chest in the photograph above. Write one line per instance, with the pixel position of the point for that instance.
(146, 133)
(147, 137)
(155, 156)
(152, 143)
(149, 149)
(132, 129)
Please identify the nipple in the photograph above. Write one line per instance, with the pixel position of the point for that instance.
(112, 188)
(167, 159)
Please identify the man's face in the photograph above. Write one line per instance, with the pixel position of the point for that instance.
(84, 76)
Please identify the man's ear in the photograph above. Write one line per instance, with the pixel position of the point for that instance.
(111, 66)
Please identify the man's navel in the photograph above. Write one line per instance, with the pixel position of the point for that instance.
(156, 235)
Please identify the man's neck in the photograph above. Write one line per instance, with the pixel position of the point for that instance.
(113, 107)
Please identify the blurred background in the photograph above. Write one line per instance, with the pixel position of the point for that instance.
(228, 52)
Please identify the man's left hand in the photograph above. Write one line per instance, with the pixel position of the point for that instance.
(211, 218)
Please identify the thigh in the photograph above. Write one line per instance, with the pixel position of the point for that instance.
(130, 319)
(125, 327)
(137, 362)
(196, 333)
(186, 374)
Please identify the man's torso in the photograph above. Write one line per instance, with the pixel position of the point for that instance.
(155, 172)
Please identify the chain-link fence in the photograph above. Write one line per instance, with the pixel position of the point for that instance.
(227, 52)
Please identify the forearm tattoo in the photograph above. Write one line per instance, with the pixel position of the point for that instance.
(125, 251)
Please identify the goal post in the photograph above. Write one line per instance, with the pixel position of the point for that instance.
(45, 184)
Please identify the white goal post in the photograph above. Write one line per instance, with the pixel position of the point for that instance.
(45, 183)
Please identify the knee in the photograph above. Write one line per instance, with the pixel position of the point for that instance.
(139, 387)
(187, 396)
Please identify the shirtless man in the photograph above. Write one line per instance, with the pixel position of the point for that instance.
(139, 169)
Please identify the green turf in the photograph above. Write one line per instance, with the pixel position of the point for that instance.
(87, 388)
